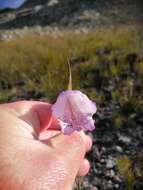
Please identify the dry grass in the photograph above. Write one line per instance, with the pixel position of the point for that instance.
(39, 64)
(124, 167)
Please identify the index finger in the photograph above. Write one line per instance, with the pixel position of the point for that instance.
(36, 113)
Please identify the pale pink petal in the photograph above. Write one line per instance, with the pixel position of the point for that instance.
(74, 110)
(66, 128)
(89, 126)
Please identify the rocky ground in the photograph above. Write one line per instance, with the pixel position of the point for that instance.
(70, 13)
(56, 16)
(111, 142)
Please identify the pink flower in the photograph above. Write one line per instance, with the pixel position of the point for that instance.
(74, 111)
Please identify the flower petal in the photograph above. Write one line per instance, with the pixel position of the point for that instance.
(74, 110)
(66, 128)
(89, 126)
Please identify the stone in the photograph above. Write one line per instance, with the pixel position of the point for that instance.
(37, 8)
(112, 173)
(119, 149)
(125, 139)
(117, 179)
(109, 185)
(110, 164)
(52, 2)
(116, 186)
(102, 161)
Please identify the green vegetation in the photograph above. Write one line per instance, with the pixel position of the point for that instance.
(117, 119)
(78, 183)
(36, 67)
(124, 166)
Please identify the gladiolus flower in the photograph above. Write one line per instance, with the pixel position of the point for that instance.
(74, 111)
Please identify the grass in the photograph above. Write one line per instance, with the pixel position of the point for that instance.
(124, 167)
(79, 184)
(38, 65)
(117, 120)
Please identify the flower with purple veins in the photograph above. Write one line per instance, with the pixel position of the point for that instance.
(74, 111)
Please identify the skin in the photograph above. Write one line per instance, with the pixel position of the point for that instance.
(34, 155)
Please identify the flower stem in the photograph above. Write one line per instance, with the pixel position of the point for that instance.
(70, 76)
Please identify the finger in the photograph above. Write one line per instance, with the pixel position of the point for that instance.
(50, 134)
(44, 111)
(64, 161)
(71, 150)
(88, 141)
(34, 113)
(84, 168)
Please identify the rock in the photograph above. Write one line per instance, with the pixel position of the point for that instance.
(96, 153)
(102, 161)
(103, 149)
(52, 2)
(110, 174)
(117, 179)
(116, 186)
(125, 139)
(37, 8)
(109, 185)
(110, 164)
(119, 149)
(132, 116)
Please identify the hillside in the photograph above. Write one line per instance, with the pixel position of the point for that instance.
(71, 13)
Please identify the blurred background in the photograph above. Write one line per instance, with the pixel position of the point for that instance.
(103, 41)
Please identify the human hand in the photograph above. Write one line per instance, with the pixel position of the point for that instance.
(32, 158)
